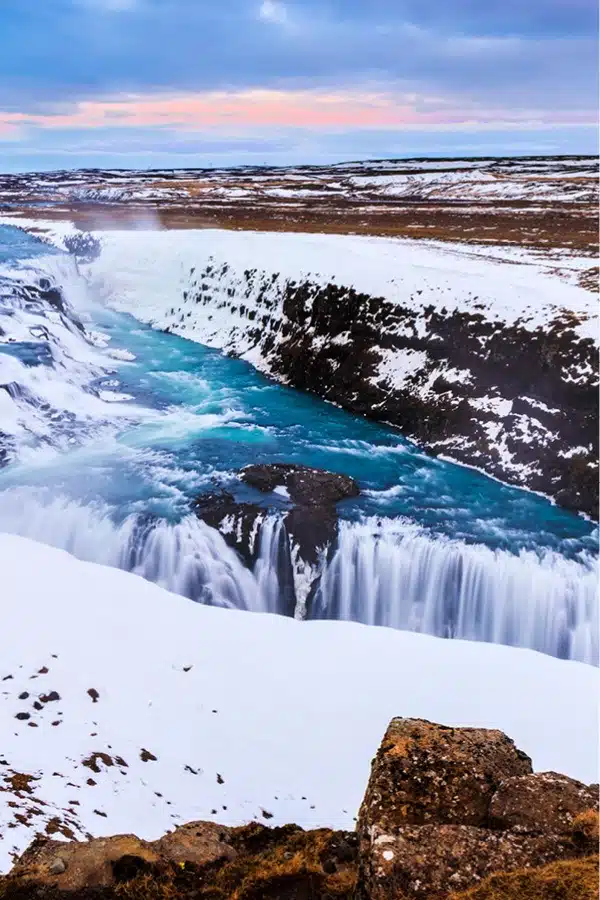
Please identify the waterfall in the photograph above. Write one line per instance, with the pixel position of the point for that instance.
(383, 574)
(187, 557)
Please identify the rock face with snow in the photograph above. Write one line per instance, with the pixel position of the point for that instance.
(491, 361)
(312, 522)
(508, 399)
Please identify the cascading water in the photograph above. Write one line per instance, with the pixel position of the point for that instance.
(114, 428)
(186, 557)
(381, 574)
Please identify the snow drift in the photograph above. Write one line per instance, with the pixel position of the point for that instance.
(134, 709)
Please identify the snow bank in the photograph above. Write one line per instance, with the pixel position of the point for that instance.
(244, 714)
(146, 272)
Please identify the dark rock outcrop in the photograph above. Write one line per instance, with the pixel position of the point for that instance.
(427, 773)
(545, 801)
(237, 521)
(199, 861)
(312, 523)
(430, 862)
(84, 246)
(105, 862)
(306, 486)
(307, 522)
(77, 865)
(517, 401)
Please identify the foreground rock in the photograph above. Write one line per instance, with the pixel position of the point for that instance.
(448, 813)
(545, 801)
(446, 807)
(201, 861)
(305, 499)
(426, 773)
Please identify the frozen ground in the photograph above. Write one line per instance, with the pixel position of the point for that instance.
(544, 179)
(131, 709)
(543, 202)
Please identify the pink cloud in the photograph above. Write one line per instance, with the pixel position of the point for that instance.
(280, 109)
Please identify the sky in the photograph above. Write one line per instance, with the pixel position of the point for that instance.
(156, 83)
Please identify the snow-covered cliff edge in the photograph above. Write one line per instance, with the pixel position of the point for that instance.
(487, 359)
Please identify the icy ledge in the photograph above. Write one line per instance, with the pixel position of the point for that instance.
(218, 710)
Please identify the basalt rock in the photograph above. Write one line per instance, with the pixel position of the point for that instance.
(312, 524)
(248, 863)
(198, 843)
(519, 402)
(305, 500)
(106, 862)
(306, 486)
(447, 807)
(238, 522)
(545, 801)
(430, 862)
(74, 866)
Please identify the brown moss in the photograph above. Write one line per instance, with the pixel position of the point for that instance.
(286, 862)
(586, 827)
(20, 783)
(271, 864)
(572, 880)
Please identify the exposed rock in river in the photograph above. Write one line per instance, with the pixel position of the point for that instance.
(447, 810)
(304, 501)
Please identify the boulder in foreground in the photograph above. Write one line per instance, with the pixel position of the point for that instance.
(447, 807)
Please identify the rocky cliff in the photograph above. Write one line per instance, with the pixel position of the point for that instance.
(448, 813)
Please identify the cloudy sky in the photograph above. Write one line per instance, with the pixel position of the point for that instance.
(150, 83)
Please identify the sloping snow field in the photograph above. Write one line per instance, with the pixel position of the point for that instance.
(204, 713)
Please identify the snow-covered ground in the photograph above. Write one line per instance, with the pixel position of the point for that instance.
(204, 713)
(547, 180)
(146, 273)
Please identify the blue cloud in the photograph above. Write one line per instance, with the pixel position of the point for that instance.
(536, 55)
